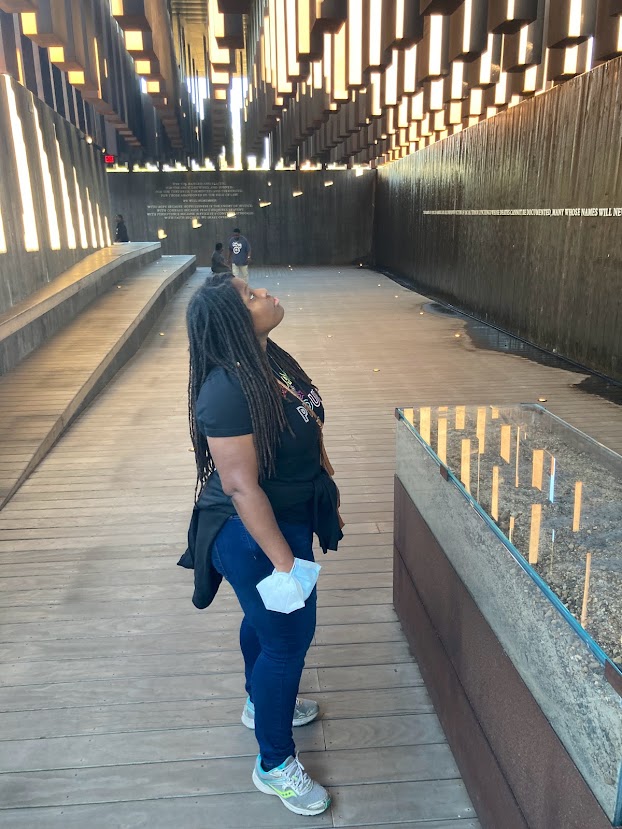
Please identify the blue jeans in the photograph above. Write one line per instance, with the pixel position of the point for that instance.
(274, 645)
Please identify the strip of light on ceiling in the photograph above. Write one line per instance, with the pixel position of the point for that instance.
(56, 54)
(100, 229)
(293, 66)
(339, 81)
(283, 83)
(437, 24)
(410, 70)
(417, 112)
(355, 43)
(455, 112)
(264, 52)
(29, 23)
(468, 21)
(2, 236)
(328, 62)
(303, 26)
(501, 90)
(390, 81)
(531, 79)
(575, 19)
(97, 68)
(91, 219)
(476, 102)
(523, 42)
(457, 80)
(400, 8)
(390, 116)
(403, 120)
(84, 242)
(134, 41)
(375, 84)
(31, 238)
(218, 55)
(485, 73)
(48, 187)
(436, 95)
(64, 190)
(375, 32)
(317, 72)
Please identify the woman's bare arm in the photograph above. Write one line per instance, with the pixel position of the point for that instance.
(236, 461)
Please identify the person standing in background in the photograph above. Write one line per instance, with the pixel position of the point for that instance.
(239, 254)
(121, 234)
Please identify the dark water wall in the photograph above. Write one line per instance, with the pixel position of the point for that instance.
(552, 279)
(328, 224)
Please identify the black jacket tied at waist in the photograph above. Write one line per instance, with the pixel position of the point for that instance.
(205, 525)
(207, 521)
(325, 515)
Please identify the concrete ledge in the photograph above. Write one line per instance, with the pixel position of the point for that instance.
(34, 320)
(46, 392)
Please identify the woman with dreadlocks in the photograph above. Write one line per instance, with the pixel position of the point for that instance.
(264, 487)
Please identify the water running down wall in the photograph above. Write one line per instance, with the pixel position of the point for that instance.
(518, 219)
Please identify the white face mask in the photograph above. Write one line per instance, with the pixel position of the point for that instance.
(286, 592)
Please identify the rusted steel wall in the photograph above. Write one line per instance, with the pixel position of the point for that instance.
(553, 279)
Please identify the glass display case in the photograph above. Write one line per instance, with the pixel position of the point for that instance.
(528, 510)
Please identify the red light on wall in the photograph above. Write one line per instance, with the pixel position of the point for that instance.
(109, 159)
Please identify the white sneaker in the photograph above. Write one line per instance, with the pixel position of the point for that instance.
(306, 711)
(289, 781)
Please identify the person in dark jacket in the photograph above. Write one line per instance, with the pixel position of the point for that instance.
(121, 234)
(264, 487)
(218, 260)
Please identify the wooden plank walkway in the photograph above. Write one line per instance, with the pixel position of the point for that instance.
(120, 703)
(41, 395)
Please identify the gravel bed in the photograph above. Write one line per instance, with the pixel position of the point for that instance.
(562, 552)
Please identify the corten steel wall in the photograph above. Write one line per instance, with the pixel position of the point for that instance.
(556, 281)
(22, 271)
(324, 226)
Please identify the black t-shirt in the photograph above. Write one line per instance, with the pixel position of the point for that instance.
(222, 411)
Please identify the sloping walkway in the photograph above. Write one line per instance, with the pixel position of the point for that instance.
(120, 703)
(42, 395)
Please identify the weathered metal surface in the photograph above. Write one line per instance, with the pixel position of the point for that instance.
(553, 279)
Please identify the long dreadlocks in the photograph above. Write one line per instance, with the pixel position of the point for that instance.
(220, 333)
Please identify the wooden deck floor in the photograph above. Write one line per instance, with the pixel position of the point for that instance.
(120, 703)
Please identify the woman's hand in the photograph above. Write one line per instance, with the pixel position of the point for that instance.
(236, 461)
(286, 568)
